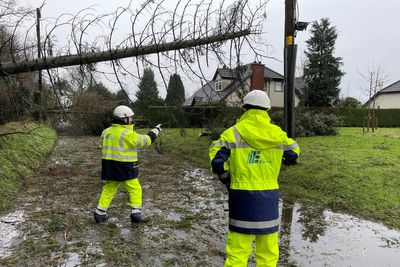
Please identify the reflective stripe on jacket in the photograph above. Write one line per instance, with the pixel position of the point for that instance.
(252, 153)
(119, 152)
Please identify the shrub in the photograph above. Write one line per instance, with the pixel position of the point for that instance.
(91, 113)
(309, 123)
(224, 118)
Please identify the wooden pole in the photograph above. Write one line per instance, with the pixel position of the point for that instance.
(289, 67)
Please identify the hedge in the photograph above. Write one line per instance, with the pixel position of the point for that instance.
(204, 115)
(354, 117)
(168, 116)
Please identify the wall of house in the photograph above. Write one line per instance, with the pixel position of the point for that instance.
(296, 100)
(388, 101)
(233, 100)
(277, 97)
(225, 83)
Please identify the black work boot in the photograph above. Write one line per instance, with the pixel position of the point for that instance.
(136, 216)
(100, 215)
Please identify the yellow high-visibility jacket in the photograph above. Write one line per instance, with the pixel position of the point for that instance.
(251, 151)
(119, 152)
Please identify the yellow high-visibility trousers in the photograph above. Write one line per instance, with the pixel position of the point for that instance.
(239, 247)
(110, 188)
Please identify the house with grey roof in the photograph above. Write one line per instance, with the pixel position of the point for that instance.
(228, 86)
(388, 97)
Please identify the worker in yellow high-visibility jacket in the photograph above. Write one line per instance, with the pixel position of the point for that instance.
(247, 158)
(120, 163)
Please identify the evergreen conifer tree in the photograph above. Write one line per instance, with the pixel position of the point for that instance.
(102, 90)
(147, 95)
(175, 91)
(322, 72)
(122, 98)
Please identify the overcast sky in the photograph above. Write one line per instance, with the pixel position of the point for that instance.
(368, 34)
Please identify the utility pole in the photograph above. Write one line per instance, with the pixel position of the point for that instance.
(289, 67)
(290, 52)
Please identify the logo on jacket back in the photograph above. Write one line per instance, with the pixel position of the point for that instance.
(110, 137)
(255, 157)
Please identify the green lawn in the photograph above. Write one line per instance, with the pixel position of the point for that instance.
(352, 172)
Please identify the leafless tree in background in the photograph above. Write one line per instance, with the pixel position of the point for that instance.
(374, 79)
(115, 47)
(15, 102)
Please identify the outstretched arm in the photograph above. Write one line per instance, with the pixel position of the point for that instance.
(153, 133)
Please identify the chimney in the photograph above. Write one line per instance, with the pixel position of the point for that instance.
(257, 76)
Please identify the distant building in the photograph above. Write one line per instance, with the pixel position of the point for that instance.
(228, 86)
(388, 97)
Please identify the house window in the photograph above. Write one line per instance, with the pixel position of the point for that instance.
(278, 86)
(268, 87)
(218, 85)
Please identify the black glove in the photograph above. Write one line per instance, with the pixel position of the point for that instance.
(225, 178)
(289, 158)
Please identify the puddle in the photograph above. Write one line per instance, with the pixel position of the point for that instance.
(206, 196)
(94, 249)
(316, 237)
(10, 236)
(73, 260)
(173, 217)
(198, 178)
(311, 235)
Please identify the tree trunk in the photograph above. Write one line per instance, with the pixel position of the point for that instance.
(10, 68)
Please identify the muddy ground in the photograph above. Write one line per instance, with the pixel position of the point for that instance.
(52, 224)
(185, 204)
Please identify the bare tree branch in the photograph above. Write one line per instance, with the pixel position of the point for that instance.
(186, 38)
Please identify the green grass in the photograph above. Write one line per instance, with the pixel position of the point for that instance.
(352, 172)
(185, 143)
(20, 154)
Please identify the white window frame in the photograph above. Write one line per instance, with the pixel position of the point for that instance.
(218, 85)
(280, 89)
(268, 86)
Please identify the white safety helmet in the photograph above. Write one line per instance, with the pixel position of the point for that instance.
(123, 112)
(257, 98)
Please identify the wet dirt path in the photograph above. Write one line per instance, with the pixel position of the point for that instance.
(56, 227)
(52, 223)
